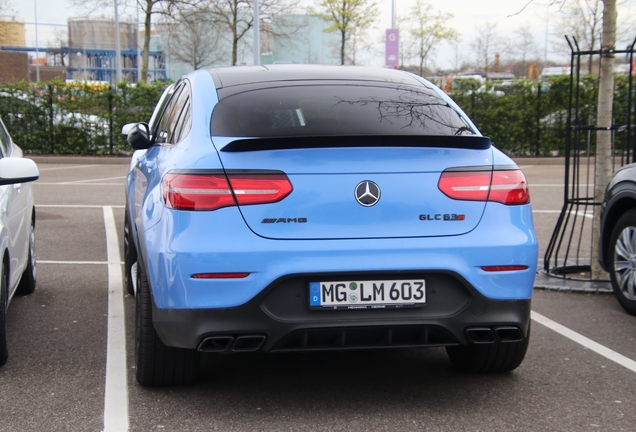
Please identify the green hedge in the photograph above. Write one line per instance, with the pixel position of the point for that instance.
(522, 118)
(525, 117)
(75, 118)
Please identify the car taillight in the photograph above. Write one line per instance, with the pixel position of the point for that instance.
(212, 191)
(507, 187)
(503, 268)
(220, 275)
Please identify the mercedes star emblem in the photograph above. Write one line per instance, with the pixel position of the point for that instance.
(367, 193)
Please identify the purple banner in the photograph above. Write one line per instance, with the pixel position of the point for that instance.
(392, 47)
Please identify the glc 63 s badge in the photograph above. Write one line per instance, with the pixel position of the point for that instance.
(442, 217)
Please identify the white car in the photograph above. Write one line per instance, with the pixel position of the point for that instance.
(17, 229)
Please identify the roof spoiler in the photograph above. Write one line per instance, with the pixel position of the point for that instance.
(283, 143)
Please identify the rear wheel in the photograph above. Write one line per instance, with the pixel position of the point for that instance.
(4, 295)
(27, 281)
(158, 364)
(485, 358)
(622, 261)
(130, 255)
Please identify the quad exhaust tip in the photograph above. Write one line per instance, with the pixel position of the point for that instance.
(245, 343)
(248, 343)
(480, 335)
(486, 335)
(216, 344)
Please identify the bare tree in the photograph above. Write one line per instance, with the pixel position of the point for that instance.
(359, 42)
(428, 29)
(61, 41)
(583, 20)
(237, 17)
(457, 59)
(148, 9)
(603, 161)
(345, 16)
(407, 44)
(521, 50)
(485, 45)
(194, 37)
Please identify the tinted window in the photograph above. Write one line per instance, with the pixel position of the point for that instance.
(4, 141)
(336, 110)
(169, 125)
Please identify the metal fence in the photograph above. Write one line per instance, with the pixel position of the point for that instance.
(570, 246)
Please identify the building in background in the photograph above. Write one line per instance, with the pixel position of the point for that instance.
(87, 53)
(308, 44)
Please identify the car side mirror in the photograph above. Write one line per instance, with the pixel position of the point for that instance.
(125, 130)
(17, 170)
(139, 136)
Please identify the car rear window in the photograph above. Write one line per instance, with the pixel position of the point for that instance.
(333, 110)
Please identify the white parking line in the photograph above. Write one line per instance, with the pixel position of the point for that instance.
(76, 262)
(532, 185)
(77, 184)
(116, 389)
(99, 179)
(589, 215)
(67, 167)
(76, 206)
(586, 342)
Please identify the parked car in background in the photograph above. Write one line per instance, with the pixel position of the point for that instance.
(617, 237)
(304, 208)
(17, 229)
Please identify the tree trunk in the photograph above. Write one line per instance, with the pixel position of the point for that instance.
(145, 59)
(343, 40)
(234, 47)
(603, 162)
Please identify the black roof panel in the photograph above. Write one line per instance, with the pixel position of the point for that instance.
(239, 75)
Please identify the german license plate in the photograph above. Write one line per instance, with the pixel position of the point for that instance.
(381, 294)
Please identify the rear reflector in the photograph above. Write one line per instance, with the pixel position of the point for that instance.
(507, 187)
(212, 191)
(504, 268)
(220, 275)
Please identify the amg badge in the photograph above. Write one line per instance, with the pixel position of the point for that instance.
(284, 220)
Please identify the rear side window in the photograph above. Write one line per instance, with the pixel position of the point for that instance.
(319, 110)
(5, 143)
(176, 120)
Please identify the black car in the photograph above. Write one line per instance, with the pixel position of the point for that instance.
(617, 239)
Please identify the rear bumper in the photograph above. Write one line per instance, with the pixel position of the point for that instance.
(171, 256)
(278, 319)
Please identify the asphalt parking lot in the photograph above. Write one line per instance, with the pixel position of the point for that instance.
(71, 365)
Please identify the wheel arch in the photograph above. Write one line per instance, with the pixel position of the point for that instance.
(612, 215)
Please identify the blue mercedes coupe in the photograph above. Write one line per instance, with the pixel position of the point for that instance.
(289, 208)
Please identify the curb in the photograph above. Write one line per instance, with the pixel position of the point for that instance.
(552, 283)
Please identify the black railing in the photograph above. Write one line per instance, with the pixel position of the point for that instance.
(570, 246)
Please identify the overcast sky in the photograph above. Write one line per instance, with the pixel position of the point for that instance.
(468, 13)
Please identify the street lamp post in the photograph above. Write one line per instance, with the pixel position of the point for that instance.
(257, 34)
(117, 48)
(37, 50)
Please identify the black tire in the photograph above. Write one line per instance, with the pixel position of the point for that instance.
(4, 296)
(157, 364)
(488, 358)
(130, 255)
(621, 258)
(28, 281)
